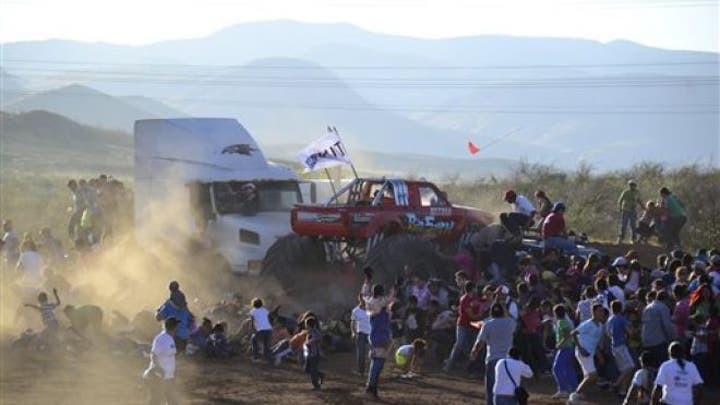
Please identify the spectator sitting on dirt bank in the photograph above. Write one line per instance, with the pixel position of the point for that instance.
(521, 215)
(544, 205)
(554, 232)
(199, 337)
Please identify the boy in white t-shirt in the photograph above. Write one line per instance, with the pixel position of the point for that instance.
(160, 374)
(263, 330)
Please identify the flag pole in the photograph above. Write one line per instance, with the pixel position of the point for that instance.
(332, 185)
(352, 166)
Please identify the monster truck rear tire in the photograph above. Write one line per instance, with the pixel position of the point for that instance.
(390, 256)
(291, 256)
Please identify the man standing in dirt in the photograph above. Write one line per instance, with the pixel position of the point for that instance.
(360, 329)
(468, 311)
(160, 375)
(78, 206)
(627, 202)
(497, 334)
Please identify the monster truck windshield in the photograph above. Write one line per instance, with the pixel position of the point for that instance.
(252, 197)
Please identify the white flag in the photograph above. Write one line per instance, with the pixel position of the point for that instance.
(324, 152)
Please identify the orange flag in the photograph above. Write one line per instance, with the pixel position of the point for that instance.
(472, 148)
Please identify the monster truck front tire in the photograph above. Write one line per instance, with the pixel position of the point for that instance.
(291, 256)
(389, 257)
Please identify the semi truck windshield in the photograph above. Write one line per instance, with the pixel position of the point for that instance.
(252, 197)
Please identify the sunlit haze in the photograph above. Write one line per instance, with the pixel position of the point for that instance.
(674, 24)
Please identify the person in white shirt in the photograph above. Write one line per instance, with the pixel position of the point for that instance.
(521, 216)
(508, 375)
(160, 375)
(10, 245)
(678, 380)
(360, 329)
(263, 330)
(31, 264)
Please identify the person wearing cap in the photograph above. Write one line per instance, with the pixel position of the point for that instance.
(502, 295)
(553, 231)
(521, 215)
(627, 202)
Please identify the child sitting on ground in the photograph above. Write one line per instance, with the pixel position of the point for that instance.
(642, 383)
(217, 345)
(646, 223)
(407, 357)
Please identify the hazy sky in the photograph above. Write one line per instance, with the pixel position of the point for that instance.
(677, 24)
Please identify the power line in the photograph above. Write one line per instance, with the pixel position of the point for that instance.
(371, 67)
(460, 109)
(128, 74)
(330, 83)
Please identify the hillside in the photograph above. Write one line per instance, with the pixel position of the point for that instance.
(91, 107)
(39, 141)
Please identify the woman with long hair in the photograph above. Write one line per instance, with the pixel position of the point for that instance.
(678, 381)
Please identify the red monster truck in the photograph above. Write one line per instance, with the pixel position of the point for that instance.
(384, 223)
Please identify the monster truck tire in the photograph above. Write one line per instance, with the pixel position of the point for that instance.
(292, 255)
(390, 256)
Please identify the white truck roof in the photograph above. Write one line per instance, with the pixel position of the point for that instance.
(201, 149)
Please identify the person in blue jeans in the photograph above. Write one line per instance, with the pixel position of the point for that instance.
(465, 334)
(563, 369)
(497, 334)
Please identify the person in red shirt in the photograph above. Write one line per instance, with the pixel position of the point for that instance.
(553, 231)
(530, 338)
(469, 311)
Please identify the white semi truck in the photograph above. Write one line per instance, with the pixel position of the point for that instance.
(206, 179)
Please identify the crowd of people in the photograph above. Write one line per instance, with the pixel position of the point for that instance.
(639, 331)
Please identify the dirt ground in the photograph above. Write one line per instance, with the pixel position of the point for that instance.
(97, 378)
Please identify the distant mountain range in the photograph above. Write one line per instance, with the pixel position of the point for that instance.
(91, 107)
(560, 100)
(40, 140)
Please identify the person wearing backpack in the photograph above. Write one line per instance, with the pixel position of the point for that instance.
(509, 372)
